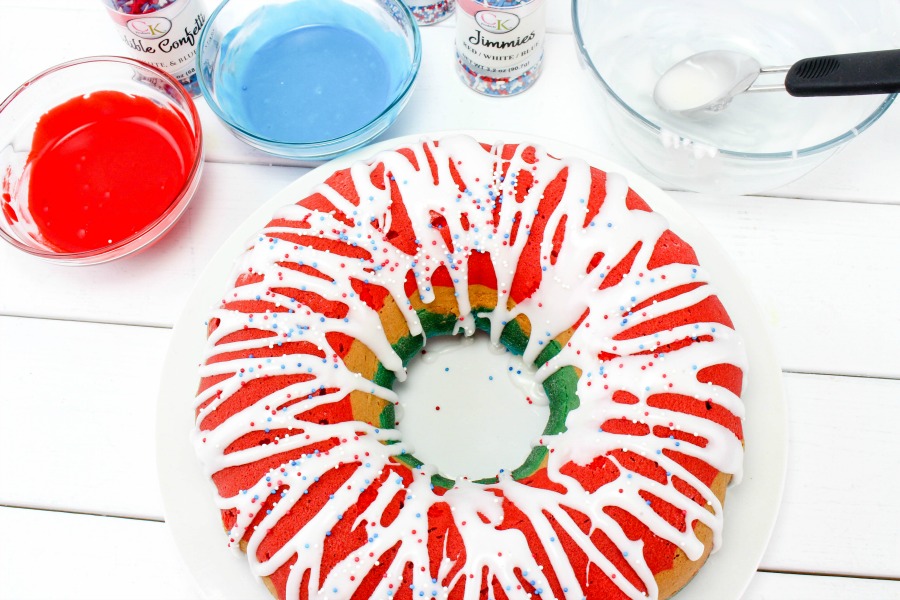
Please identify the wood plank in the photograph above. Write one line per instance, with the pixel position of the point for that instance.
(564, 104)
(842, 443)
(559, 18)
(77, 29)
(839, 512)
(77, 421)
(63, 555)
(808, 261)
(781, 586)
(814, 267)
(149, 288)
(95, 558)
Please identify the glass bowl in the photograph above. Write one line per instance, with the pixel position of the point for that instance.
(308, 79)
(762, 140)
(98, 159)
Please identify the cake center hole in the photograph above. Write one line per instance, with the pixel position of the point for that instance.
(470, 409)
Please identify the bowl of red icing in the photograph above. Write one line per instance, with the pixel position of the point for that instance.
(98, 159)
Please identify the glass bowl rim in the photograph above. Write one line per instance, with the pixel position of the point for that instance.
(130, 244)
(325, 146)
(655, 129)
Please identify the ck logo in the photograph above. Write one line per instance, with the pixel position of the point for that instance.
(496, 22)
(150, 28)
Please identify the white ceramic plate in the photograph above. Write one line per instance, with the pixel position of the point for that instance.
(750, 508)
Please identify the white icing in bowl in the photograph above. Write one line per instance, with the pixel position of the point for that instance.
(761, 140)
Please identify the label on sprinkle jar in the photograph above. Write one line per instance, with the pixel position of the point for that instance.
(166, 38)
(500, 39)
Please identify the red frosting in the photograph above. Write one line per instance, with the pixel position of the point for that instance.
(105, 166)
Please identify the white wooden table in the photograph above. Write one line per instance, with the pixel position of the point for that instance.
(81, 349)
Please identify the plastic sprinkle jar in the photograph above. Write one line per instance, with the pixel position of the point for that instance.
(163, 34)
(500, 44)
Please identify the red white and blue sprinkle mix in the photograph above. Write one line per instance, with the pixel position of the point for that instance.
(428, 13)
(138, 7)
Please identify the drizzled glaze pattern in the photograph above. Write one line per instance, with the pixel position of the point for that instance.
(599, 286)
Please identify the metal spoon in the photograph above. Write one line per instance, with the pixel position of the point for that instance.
(708, 81)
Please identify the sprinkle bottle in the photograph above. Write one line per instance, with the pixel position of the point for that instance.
(162, 33)
(428, 12)
(500, 44)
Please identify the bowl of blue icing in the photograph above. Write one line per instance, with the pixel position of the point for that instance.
(308, 79)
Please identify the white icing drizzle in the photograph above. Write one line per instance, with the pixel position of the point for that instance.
(567, 290)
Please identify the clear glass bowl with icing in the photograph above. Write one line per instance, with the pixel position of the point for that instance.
(95, 84)
(761, 141)
(308, 79)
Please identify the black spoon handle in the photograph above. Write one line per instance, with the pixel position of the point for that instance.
(845, 74)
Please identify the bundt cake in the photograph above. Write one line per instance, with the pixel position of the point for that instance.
(558, 261)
